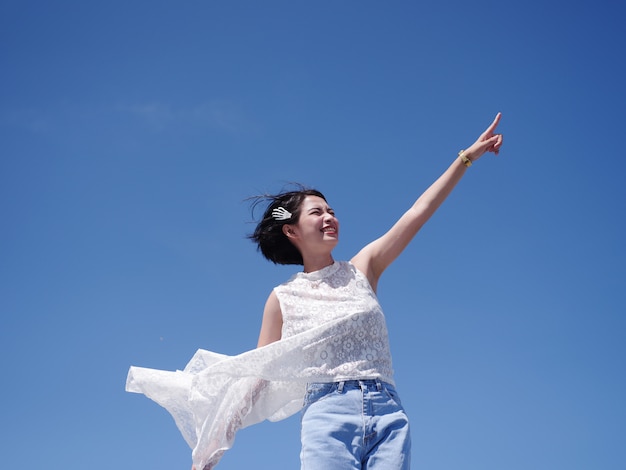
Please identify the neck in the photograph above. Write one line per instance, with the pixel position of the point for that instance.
(316, 263)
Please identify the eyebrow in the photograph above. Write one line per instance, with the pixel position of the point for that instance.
(317, 208)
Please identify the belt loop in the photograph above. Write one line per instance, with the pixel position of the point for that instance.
(379, 385)
(340, 386)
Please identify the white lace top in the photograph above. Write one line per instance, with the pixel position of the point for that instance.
(309, 300)
(333, 329)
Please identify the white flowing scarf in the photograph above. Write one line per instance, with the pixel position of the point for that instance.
(216, 395)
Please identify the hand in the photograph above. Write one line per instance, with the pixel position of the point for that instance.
(488, 141)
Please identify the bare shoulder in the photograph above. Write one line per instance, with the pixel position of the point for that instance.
(272, 324)
(272, 300)
(363, 262)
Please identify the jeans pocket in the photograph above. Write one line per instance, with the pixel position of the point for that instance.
(392, 394)
(316, 391)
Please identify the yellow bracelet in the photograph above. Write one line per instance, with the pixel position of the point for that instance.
(466, 161)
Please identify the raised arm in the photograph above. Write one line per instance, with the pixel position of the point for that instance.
(373, 259)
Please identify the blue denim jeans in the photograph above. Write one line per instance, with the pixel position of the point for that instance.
(357, 424)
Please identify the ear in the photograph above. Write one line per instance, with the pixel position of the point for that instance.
(289, 231)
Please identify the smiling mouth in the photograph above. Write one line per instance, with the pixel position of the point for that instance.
(329, 230)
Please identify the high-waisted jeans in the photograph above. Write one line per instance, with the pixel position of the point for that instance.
(356, 424)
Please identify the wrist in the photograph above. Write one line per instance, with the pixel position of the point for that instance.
(465, 158)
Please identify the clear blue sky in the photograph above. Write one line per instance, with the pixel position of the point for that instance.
(132, 131)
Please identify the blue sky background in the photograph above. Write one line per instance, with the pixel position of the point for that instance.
(132, 132)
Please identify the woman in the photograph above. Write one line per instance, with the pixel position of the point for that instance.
(335, 432)
(323, 334)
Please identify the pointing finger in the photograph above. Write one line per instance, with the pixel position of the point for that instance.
(494, 124)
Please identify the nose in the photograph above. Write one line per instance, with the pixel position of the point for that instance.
(329, 216)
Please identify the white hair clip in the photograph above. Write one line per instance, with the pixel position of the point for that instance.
(280, 213)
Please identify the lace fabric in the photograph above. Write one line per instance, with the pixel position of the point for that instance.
(332, 293)
(333, 330)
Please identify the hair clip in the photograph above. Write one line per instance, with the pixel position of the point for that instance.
(280, 213)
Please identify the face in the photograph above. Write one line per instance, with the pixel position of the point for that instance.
(317, 225)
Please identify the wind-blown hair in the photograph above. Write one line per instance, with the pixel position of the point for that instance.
(268, 234)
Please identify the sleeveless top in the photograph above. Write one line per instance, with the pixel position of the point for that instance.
(309, 300)
(333, 330)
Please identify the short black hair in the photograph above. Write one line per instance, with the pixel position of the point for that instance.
(268, 234)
